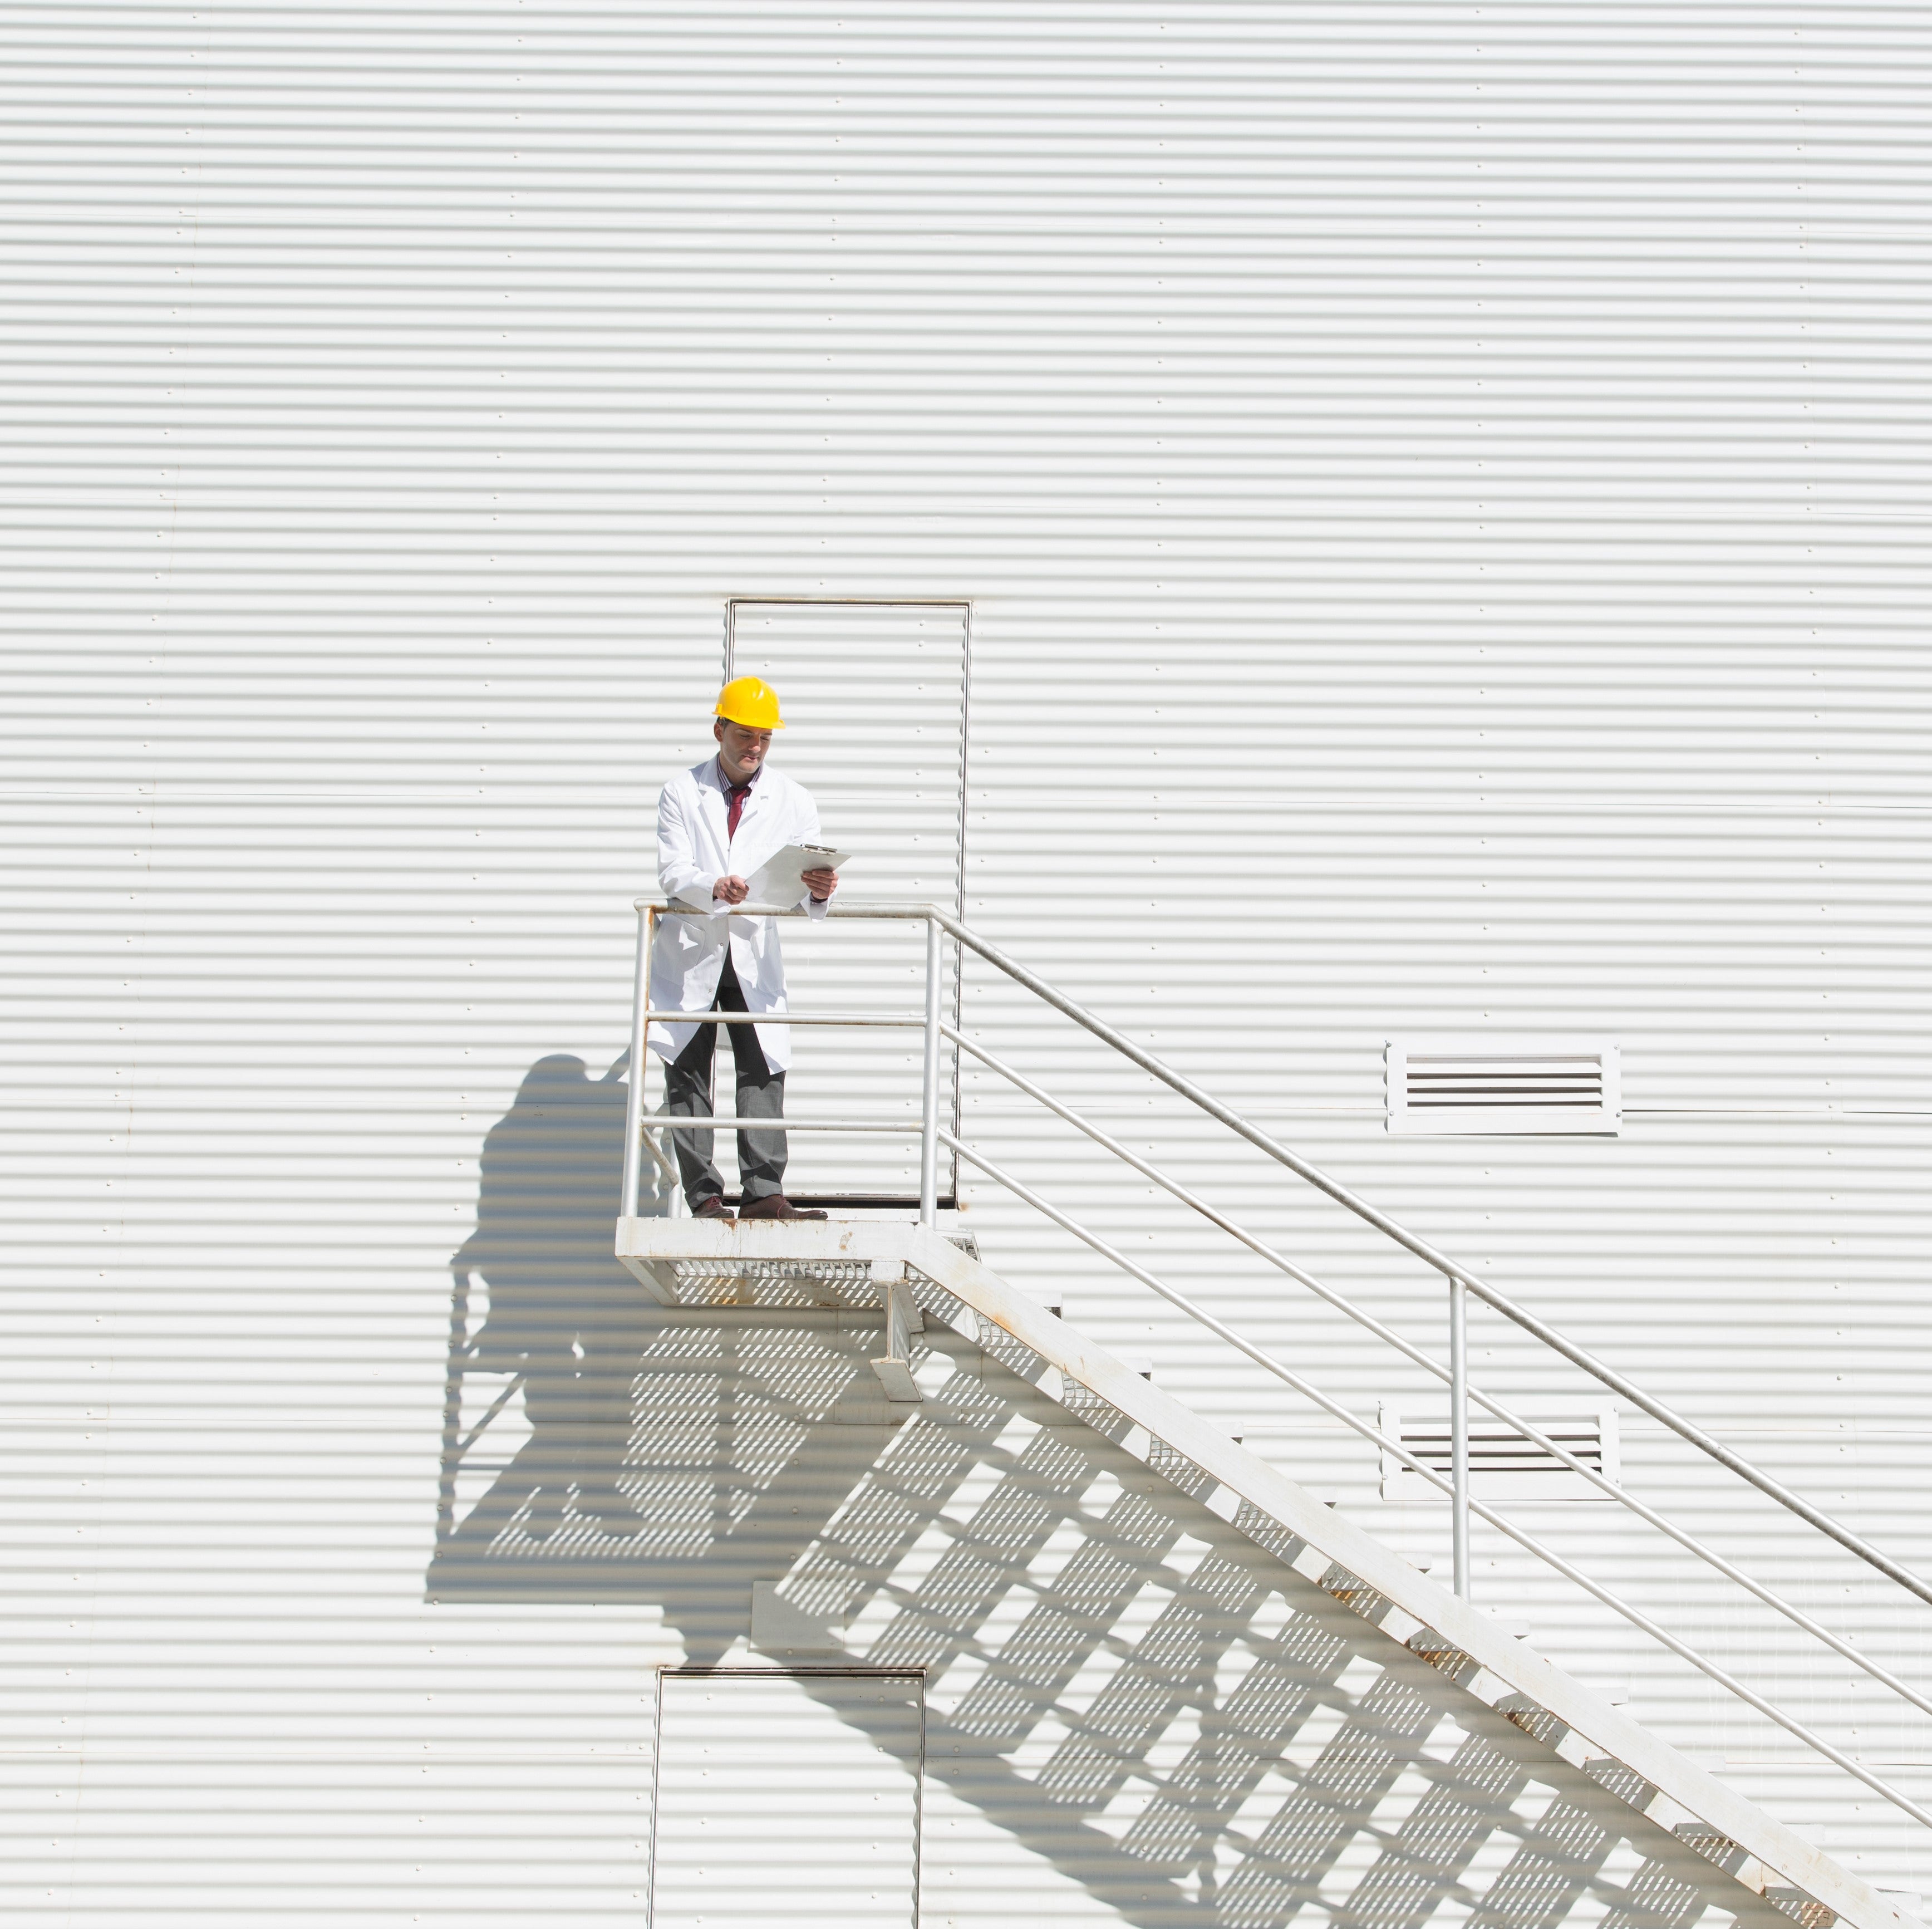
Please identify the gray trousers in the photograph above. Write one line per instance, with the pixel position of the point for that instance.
(760, 1094)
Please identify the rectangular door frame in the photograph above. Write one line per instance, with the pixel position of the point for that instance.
(851, 1671)
(950, 1195)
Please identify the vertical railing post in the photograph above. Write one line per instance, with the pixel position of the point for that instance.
(929, 1128)
(1459, 1433)
(634, 1103)
(676, 1205)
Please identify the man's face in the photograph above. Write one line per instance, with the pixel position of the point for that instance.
(740, 750)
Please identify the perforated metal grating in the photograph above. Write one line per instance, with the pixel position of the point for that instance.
(775, 1282)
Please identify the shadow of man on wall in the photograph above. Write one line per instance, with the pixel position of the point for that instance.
(540, 1306)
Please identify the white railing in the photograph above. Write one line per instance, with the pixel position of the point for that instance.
(644, 1129)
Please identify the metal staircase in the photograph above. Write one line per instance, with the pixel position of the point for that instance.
(906, 1274)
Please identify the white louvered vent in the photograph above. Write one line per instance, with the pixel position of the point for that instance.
(1503, 1465)
(1501, 1085)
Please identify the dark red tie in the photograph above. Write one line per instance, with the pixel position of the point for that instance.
(737, 793)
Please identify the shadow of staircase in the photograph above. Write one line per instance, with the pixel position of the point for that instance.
(1117, 1678)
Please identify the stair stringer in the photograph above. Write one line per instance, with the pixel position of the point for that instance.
(1501, 1670)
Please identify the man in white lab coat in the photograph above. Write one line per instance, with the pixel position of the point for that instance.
(717, 823)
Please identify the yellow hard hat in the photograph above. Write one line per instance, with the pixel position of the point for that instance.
(749, 700)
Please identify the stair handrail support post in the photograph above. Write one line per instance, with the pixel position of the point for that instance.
(928, 1141)
(1459, 1434)
(633, 1101)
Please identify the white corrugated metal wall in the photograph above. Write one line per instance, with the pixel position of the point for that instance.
(802, 1785)
(1441, 492)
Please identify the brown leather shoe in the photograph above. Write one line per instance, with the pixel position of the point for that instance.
(713, 1208)
(777, 1206)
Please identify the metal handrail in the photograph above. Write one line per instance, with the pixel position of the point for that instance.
(637, 1133)
(1611, 1489)
(666, 1121)
(1500, 1302)
(1631, 1613)
(1461, 1282)
(781, 1017)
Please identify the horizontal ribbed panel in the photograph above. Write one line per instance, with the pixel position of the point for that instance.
(803, 1785)
(1441, 495)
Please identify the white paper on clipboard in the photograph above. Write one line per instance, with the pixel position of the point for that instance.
(780, 879)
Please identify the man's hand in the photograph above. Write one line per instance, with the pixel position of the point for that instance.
(732, 890)
(820, 883)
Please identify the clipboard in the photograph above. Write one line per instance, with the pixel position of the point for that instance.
(780, 879)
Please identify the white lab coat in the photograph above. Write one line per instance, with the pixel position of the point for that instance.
(694, 851)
